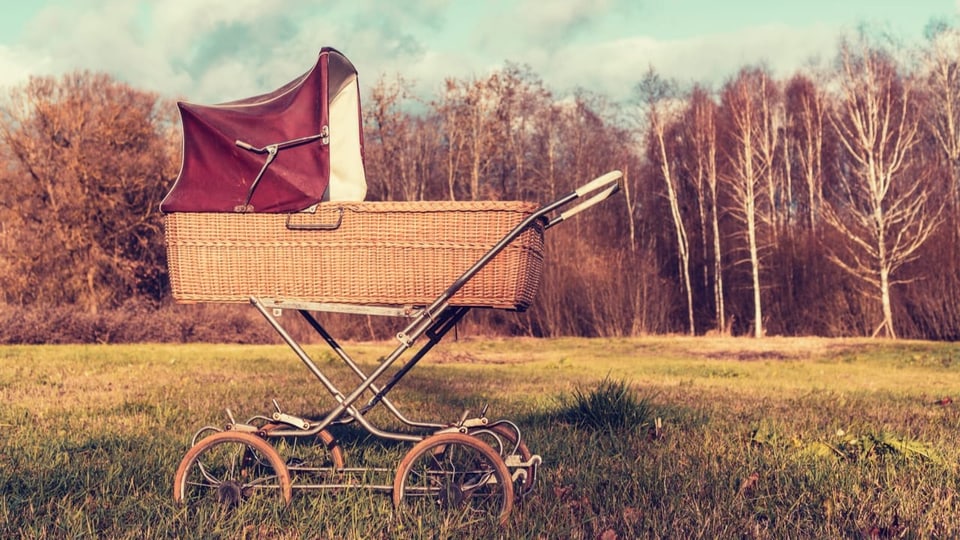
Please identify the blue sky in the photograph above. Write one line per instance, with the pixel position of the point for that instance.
(217, 50)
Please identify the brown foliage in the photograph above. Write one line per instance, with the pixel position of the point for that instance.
(133, 322)
(88, 159)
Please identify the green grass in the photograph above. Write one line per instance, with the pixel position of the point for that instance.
(773, 438)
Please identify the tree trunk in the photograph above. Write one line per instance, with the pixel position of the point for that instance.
(754, 266)
(683, 244)
(717, 265)
(887, 326)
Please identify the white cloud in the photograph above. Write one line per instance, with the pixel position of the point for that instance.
(554, 21)
(177, 48)
(16, 66)
(607, 65)
(217, 50)
(614, 67)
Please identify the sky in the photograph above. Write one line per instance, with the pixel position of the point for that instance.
(211, 51)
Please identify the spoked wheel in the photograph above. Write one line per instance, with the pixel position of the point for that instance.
(453, 476)
(231, 467)
(325, 451)
(505, 439)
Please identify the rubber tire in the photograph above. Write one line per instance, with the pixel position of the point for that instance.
(224, 437)
(441, 444)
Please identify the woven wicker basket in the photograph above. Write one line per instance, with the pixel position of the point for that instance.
(383, 253)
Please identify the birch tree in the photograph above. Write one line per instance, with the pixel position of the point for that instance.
(661, 109)
(805, 115)
(770, 123)
(701, 128)
(466, 109)
(942, 64)
(742, 103)
(883, 212)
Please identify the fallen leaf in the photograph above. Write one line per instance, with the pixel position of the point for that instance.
(749, 483)
(632, 515)
(608, 534)
(562, 492)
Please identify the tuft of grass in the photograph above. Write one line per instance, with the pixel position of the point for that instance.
(612, 406)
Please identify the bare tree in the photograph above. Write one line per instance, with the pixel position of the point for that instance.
(452, 113)
(661, 107)
(521, 99)
(388, 136)
(883, 212)
(467, 112)
(548, 139)
(805, 116)
(941, 61)
(701, 127)
(769, 126)
(743, 105)
(90, 160)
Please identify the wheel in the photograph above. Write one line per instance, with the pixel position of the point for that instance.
(230, 467)
(503, 437)
(455, 474)
(324, 452)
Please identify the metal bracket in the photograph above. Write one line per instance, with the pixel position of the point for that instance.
(294, 421)
(289, 419)
(235, 426)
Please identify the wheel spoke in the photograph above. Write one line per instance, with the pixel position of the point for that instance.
(229, 467)
(456, 474)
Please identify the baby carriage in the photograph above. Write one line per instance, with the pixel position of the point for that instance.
(265, 211)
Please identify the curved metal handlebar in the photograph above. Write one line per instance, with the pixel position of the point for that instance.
(609, 184)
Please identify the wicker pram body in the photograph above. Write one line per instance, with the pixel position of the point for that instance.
(384, 253)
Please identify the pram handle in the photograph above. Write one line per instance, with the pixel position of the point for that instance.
(609, 183)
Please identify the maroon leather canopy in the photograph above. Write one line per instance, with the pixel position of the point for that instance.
(267, 153)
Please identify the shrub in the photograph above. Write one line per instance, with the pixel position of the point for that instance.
(611, 406)
(134, 323)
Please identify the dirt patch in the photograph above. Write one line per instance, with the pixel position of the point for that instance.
(464, 357)
(752, 356)
(764, 349)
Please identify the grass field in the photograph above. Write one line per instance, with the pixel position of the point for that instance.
(773, 438)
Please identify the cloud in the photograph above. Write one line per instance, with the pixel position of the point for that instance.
(176, 48)
(557, 21)
(17, 65)
(613, 67)
(210, 51)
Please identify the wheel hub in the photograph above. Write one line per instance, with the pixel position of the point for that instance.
(229, 493)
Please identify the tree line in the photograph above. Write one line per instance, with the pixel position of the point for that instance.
(824, 203)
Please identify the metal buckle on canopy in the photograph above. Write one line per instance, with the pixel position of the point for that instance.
(272, 150)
